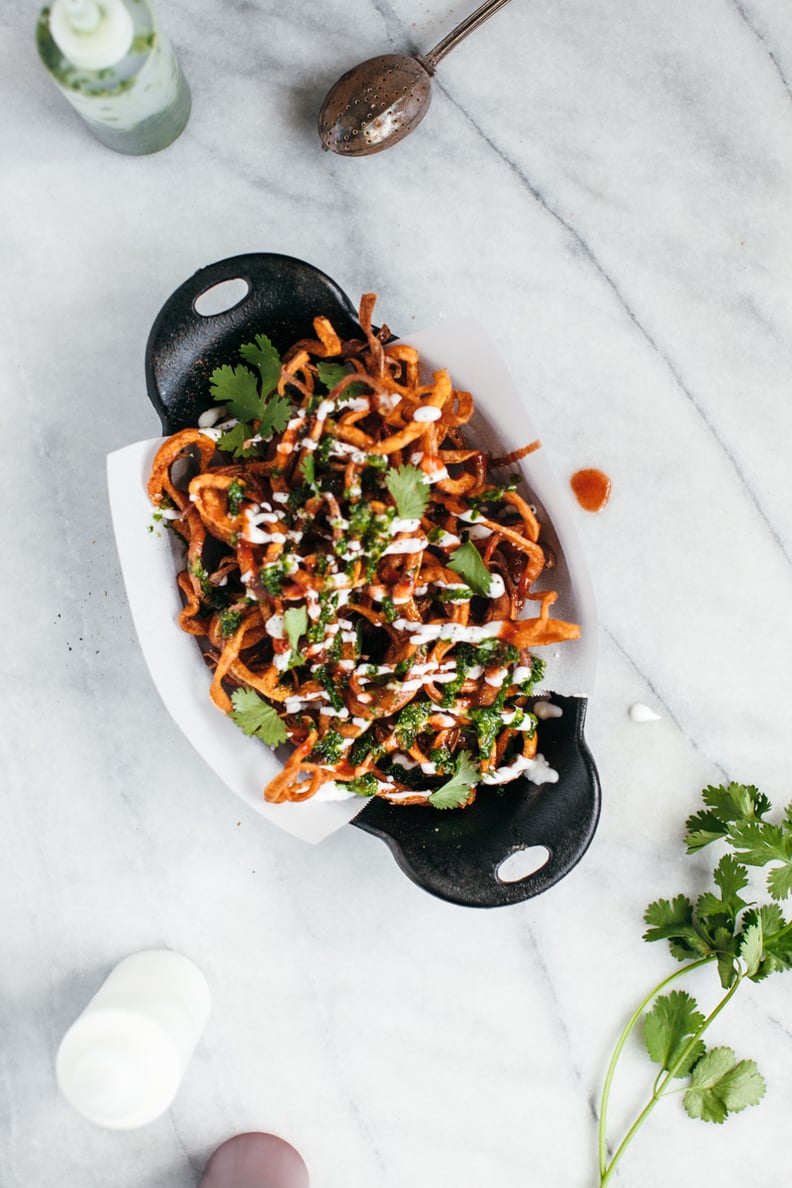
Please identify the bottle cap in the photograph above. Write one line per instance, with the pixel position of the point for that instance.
(92, 34)
(255, 1160)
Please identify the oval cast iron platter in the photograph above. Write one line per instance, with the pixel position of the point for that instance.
(452, 854)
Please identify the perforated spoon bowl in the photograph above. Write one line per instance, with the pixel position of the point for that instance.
(379, 102)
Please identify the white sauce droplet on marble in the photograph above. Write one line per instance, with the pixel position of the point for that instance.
(642, 713)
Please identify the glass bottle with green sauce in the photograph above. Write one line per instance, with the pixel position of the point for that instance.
(118, 71)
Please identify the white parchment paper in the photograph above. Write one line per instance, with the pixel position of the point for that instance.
(150, 561)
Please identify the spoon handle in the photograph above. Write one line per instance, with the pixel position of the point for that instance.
(452, 39)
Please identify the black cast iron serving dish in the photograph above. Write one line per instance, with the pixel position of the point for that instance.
(454, 854)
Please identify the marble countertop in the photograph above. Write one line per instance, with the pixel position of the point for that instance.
(607, 190)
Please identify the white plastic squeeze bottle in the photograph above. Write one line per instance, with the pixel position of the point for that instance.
(111, 62)
(122, 1061)
(255, 1161)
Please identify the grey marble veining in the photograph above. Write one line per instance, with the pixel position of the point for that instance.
(606, 189)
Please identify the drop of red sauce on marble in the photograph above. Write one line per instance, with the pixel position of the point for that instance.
(592, 489)
(255, 1160)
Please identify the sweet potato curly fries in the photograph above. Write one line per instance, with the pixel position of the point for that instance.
(357, 580)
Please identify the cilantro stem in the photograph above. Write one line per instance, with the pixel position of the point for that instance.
(775, 936)
(690, 1045)
(617, 1051)
(659, 1090)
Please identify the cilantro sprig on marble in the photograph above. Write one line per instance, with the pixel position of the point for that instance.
(745, 940)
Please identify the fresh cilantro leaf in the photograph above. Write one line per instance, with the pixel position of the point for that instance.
(722, 1085)
(466, 561)
(237, 388)
(668, 1028)
(769, 915)
(726, 967)
(245, 394)
(702, 829)
(777, 939)
(265, 358)
(274, 416)
(409, 489)
(331, 374)
(710, 905)
(295, 624)
(664, 915)
(233, 442)
(752, 948)
(253, 715)
(758, 843)
(456, 791)
(731, 878)
(779, 882)
(674, 922)
(309, 471)
(736, 802)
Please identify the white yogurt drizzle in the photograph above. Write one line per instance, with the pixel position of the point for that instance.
(545, 709)
(421, 633)
(210, 417)
(427, 413)
(538, 771)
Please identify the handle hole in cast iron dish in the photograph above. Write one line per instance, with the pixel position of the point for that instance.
(222, 297)
(523, 863)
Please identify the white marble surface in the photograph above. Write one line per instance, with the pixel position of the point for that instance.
(608, 189)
